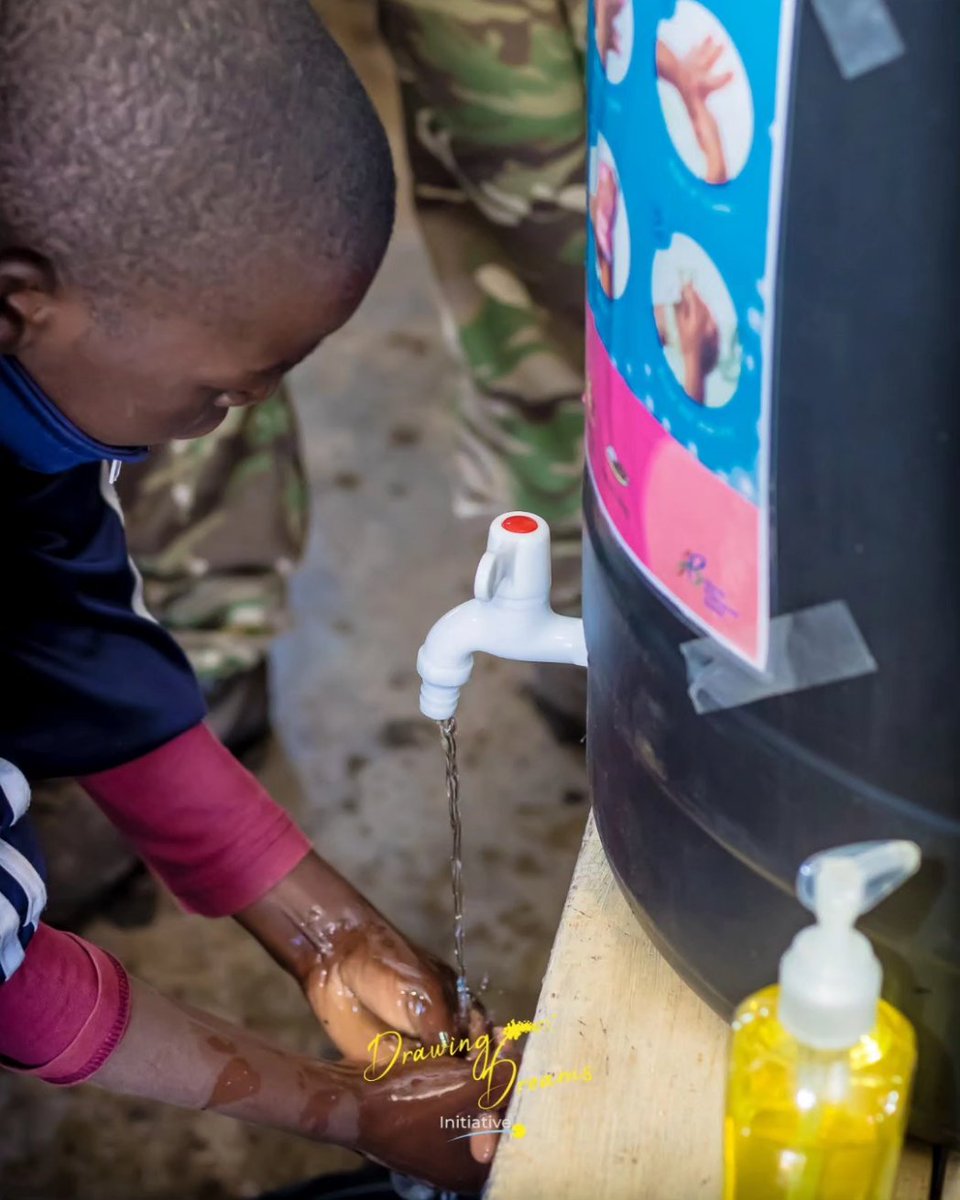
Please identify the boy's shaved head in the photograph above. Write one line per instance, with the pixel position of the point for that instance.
(193, 195)
(150, 147)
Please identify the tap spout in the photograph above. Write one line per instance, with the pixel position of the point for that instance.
(510, 616)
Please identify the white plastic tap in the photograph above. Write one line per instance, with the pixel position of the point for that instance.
(510, 616)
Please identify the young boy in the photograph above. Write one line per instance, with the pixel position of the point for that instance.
(192, 197)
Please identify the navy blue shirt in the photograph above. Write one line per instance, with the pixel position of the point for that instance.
(88, 680)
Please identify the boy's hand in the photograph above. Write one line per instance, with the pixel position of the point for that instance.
(392, 1113)
(374, 980)
(401, 1119)
(360, 975)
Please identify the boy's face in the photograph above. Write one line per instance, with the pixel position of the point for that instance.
(149, 379)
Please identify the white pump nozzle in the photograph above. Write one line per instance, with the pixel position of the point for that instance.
(830, 978)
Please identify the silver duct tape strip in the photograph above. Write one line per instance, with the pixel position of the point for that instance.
(861, 33)
(808, 648)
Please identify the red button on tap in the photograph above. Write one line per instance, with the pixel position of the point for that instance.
(519, 524)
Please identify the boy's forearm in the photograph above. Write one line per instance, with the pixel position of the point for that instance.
(191, 1059)
(182, 1056)
(305, 914)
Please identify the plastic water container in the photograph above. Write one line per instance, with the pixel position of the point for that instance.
(705, 817)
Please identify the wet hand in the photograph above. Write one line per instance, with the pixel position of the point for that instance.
(424, 1118)
(372, 981)
(359, 974)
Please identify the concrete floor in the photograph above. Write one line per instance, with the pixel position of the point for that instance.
(353, 758)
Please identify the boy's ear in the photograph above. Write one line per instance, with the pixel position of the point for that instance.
(27, 289)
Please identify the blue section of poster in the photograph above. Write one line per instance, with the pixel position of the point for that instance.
(686, 107)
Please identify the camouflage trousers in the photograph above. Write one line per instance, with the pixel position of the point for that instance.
(215, 526)
(495, 112)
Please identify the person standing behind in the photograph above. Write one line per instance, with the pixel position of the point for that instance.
(495, 111)
(494, 102)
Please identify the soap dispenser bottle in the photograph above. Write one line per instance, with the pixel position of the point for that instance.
(820, 1067)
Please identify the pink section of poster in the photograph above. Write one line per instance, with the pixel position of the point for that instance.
(695, 537)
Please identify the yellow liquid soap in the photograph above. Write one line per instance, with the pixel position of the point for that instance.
(805, 1124)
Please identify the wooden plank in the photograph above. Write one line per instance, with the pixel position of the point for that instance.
(655, 1051)
(648, 1124)
(951, 1186)
(916, 1169)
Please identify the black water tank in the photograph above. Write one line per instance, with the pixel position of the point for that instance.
(706, 818)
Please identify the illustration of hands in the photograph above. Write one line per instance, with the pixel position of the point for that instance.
(696, 78)
(603, 215)
(699, 341)
(608, 39)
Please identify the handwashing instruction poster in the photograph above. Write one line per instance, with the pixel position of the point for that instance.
(688, 107)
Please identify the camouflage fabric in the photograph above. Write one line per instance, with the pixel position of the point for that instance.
(493, 96)
(215, 526)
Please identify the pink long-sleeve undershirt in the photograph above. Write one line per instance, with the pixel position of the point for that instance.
(208, 829)
(202, 822)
